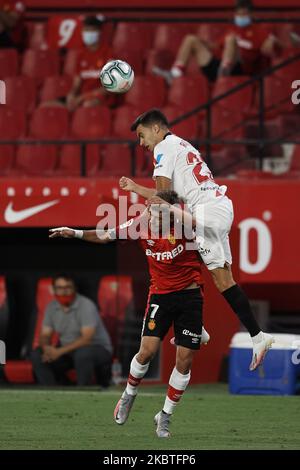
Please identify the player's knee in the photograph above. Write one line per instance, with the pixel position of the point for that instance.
(184, 363)
(145, 355)
(191, 39)
(230, 39)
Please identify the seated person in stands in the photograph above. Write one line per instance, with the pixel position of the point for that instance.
(12, 27)
(84, 343)
(86, 89)
(245, 49)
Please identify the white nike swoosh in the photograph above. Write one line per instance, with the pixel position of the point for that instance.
(13, 217)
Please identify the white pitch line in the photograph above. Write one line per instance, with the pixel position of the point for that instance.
(78, 392)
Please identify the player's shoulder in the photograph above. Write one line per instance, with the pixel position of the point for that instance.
(168, 144)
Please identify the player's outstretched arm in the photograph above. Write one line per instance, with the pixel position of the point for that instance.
(129, 185)
(93, 236)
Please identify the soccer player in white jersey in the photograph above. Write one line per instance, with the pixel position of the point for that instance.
(179, 166)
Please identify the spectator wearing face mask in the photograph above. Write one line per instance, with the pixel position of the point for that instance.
(84, 343)
(244, 49)
(86, 89)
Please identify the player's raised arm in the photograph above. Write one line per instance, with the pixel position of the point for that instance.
(93, 236)
(129, 185)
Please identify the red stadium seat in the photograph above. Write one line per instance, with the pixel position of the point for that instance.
(21, 93)
(233, 101)
(169, 36)
(133, 36)
(188, 92)
(148, 92)
(277, 97)
(55, 87)
(114, 297)
(49, 123)
(7, 157)
(12, 123)
(188, 129)
(91, 123)
(9, 63)
(123, 119)
(116, 161)
(40, 64)
(21, 371)
(158, 58)
(35, 160)
(226, 125)
(132, 57)
(70, 163)
(144, 162)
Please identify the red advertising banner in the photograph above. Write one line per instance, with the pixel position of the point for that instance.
(266, 214)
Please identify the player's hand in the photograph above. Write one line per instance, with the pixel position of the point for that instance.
(127, 184)
(64, 232)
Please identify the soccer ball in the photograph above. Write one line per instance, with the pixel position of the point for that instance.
(117, 76)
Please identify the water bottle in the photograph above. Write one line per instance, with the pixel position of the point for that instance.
(116, 371)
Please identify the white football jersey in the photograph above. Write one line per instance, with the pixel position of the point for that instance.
(191, 178)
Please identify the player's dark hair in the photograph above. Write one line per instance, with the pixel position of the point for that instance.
(65, 276)
(244, 4)
(153, 116)
(93, 21)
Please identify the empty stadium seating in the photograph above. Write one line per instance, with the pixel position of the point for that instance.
(35, 160)
(187, 92)
(55, 87)
(91, 123)
(147, 92)
(133, 36)
(9, 63)
(49, 123)
(21, 93)
(189, 128)
(69, 163)
(114, 298)
(7, 159)
(40, 64)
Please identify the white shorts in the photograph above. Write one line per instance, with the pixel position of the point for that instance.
(214, 221)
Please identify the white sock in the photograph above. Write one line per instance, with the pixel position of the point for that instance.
(137, 372)
(177, 385)
(258, 338)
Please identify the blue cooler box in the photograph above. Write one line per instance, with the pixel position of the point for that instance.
(278, 375)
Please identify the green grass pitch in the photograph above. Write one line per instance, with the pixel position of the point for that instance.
(208, 417)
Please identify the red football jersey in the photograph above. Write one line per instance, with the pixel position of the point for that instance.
(249, 40)
(172, 266)
(64, 31)
(89, 64)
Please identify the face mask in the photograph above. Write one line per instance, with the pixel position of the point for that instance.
(90, 37)
(242, 21)
(65, 300)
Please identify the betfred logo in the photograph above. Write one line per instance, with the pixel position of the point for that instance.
(2, 92)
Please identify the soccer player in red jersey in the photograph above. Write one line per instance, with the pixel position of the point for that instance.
(175, 297)
(244, 49)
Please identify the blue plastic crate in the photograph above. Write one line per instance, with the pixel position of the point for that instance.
(278, 375)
